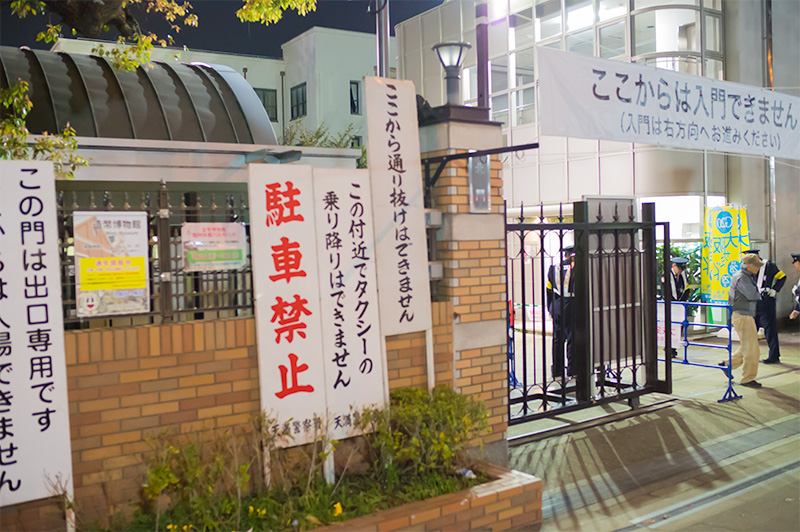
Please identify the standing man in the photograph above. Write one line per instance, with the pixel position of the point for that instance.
(796, 290)
(743, 297)
(679, 287)
(769, 282)
(559, 304)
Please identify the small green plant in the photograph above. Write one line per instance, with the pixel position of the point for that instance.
(691, 251)
(295, 134)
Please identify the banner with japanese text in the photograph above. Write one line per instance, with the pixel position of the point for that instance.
(112, 270)
(291, 365)
(589, 97)
(398, 205)
(209, 247)
(354, 368)
(314, 271)
(35, 452)
(725, 236)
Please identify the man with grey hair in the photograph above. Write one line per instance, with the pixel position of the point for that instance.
(743, 296)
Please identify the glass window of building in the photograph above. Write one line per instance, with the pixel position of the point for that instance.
(548, 19)
(641, 4)
(499, 105)
(521, 28)
(580, 14)
(666, 30)
(714, 69)
(498, 37)
(612, 40)
(523, 67)
(686, 65)
(524, 106)
(357, 141)
(581, 42)
(298, 101)
(608, 9)
(713, 37)
(269, 99)
(499, 74)
(355, 98)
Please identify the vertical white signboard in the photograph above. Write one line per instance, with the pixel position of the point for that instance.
(34, 411)
(397, 199)
(284, 256)
(349, 291)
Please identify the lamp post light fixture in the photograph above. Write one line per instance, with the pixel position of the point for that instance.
(451, 55)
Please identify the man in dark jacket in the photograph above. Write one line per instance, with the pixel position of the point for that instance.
(796, 290)
(769, 282)
(559, 304)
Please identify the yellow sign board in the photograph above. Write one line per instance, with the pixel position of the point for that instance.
(726, 235)
(112, 273)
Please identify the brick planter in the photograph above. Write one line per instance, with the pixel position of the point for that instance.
(511, 500)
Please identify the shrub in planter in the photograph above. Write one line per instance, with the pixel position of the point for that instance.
(416, 447)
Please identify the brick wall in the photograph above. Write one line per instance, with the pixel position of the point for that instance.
(128, 384)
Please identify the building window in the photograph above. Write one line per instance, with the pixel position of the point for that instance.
(298, 101)
(355, 98)
(269, 99)
(357, 141)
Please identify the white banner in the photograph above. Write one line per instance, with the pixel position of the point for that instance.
(291, 365)
(351, 334)
(35, 450)
(593, 98)
(112, 267)
(398, 205)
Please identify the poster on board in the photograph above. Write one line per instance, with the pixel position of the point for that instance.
(112, 273)
(209, 247)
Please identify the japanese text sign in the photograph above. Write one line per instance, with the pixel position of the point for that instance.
(111, 259)
(678, 314)
(34, 411)
(398, 205)
(725, 236)
(320, 360)
(213, 246)
(594, 98)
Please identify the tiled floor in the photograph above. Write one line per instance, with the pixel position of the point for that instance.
(686, 462)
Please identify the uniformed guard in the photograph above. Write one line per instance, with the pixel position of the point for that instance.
(678, 286)
(796, 290)
(559, 304)
(769, 282)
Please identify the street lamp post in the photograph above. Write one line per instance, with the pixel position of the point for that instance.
(451, 55)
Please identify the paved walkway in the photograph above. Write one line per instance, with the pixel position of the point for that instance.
(685, 462)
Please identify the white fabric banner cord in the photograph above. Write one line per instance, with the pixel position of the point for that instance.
(587, 97)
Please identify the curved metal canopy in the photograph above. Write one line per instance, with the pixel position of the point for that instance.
(161, 101)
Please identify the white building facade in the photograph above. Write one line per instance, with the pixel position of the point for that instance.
(722, 39)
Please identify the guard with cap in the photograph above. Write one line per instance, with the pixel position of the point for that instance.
(559, 304)
(769, 282)
(678, 286)
(796, 290)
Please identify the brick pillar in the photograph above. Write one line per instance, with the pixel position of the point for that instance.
(472, 248)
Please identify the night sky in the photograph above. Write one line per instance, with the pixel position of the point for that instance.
(220, 30)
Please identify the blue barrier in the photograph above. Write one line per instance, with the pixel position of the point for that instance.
(730, 393)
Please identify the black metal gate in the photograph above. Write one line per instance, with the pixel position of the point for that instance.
(582, 311)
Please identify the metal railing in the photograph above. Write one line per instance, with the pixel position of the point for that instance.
(175, 295)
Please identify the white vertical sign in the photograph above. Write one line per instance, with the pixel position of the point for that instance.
(397, 199)
(284, 256)
(349, 297)
(34, 411)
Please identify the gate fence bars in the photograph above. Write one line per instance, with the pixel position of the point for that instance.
(582, 320)
(175, 295)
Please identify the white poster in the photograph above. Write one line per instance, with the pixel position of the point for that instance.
(112, 268)
(284, 255)
(35, 449)
(210, 247)
(678, 315)
(349, 291)
(398, 205)
(588, 97)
